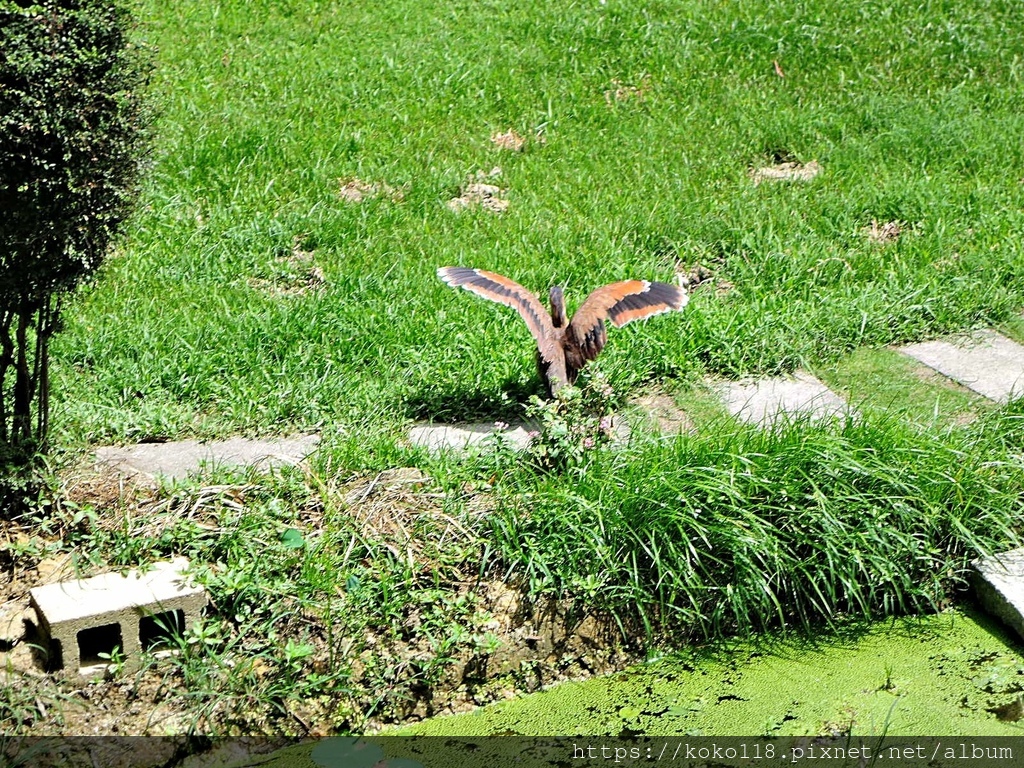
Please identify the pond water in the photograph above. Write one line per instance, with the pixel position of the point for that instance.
(955, 673)
(958, 673)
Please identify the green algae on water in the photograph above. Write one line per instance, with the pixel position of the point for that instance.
(952, 674)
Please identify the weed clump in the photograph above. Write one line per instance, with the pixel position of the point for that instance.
(571, 426)
(752, 530)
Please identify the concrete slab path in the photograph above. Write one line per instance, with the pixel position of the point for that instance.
(984, 361)
(998, 582)
(460, 437)
(762, 401)
(178, 459)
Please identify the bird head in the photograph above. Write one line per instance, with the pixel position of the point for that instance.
(557, 299)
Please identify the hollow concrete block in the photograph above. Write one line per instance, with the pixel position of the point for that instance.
(83, 621)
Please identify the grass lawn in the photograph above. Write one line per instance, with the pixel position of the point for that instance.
(254, 295)
(913, 112)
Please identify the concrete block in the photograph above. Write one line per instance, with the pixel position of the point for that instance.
(998, 583)
(984, 361)
(83, 618)
(762, 401)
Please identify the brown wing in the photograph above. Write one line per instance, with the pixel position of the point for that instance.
(620, 303)
(499, 288)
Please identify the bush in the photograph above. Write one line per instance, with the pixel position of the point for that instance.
(73, 135)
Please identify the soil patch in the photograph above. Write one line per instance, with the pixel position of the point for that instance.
(354, 190)
(701, 277)
(661, 410)
(512, 141)
(490, 197)
(295, 274)
(464, 640)
(509, 140)
(623, 92)
(790, 171)
(479, 191)
(883, 234)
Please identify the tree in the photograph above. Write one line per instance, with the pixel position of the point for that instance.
(73, 141)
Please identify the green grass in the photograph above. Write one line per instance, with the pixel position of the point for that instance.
(910, 110)
(881, 383)
(193, 328)
(749, 529)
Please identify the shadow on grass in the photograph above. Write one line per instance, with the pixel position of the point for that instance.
(466, 404)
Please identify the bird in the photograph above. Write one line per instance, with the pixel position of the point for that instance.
(564, 346)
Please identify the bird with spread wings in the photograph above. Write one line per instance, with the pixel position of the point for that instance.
(564, 346)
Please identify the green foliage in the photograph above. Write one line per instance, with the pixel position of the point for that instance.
(250, 656)
(571, 425)
(265, 108)
(72, 137)
(751, 530)
(643, 120)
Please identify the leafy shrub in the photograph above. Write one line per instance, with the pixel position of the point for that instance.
(756, 529)
(73, 134)
(571, 425)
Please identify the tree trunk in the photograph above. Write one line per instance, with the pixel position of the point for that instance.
(28, 354)
(6, 361)
(21, 416)
(47, 321)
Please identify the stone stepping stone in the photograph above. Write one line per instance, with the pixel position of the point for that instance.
(178, 459)
(463, 436)
(984, 361)
(998, 582)
(762, 401)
